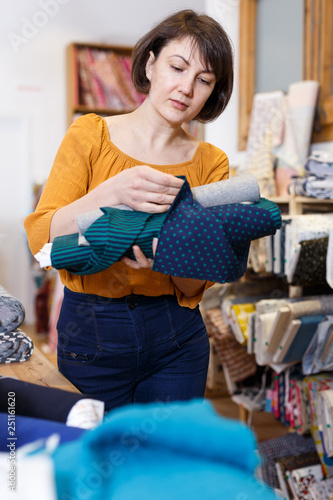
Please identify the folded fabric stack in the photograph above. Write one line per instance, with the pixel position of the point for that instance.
(314, 385)
(300, 251)
(318, 181)
(233, 356)
(292, 466)
(15, 345)
(44, 418)
(284, 328)
(273, 450)
(318, 356)
(325, 419)
(283, 332)
(209, 242)
(297, 473)
(293, 399)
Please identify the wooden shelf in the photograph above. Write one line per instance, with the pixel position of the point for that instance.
(99, 72)
(296, 204)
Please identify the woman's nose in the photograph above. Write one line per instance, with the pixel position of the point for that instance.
(186, 86)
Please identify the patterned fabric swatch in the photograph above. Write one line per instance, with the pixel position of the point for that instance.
(323, 490)
(293, 462)
(15, 347)
(291, 444)
(12, 312)
(311, 264)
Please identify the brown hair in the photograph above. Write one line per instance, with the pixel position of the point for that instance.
(214, 46)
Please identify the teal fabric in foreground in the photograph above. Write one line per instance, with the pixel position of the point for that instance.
(209, 243)
(161, 451)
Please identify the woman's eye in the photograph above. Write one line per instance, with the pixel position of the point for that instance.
(176, 68)
(205, 82)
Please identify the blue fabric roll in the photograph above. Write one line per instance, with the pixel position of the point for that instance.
(29, 429)
(161, 451)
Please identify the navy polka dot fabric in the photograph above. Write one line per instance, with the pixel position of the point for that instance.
(211, 243)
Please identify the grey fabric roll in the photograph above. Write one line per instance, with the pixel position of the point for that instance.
(243, 188)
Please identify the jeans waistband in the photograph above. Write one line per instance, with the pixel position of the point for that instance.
(97, 299)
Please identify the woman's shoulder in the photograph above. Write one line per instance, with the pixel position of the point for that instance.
(212, 163)
(208, 150)
(88, 130)
(89, 121)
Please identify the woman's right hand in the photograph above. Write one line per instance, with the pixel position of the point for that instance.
(145, 189)
(142, 188)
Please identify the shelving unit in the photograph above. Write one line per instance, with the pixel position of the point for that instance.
(293, 205)
(298, 204)
(99, 80)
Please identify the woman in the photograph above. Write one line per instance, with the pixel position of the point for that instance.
(130, 334)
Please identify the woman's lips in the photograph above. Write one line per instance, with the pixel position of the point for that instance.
(179, 104)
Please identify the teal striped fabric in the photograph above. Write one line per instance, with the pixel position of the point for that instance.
(110, 237)
(194, 242)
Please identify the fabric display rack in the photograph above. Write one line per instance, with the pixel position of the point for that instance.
(297, 390)
(273, 344)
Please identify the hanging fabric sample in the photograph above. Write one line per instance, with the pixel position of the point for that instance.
(210, 243)
(265, 133)
(301, 102)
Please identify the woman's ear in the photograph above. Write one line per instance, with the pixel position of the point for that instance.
(149, 65)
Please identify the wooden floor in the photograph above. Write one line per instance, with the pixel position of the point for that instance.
(263, 424)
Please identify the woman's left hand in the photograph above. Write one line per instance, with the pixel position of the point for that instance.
(141, 261)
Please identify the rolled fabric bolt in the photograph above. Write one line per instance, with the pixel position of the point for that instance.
(243, 188)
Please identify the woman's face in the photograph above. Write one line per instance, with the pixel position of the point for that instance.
(180, 83)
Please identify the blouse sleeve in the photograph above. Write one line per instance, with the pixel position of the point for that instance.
(69, 178)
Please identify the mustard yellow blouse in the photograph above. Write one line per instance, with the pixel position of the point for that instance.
(86, 158)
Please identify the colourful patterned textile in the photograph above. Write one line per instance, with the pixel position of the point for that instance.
(317, 383)
(12, 312)
(323, 490)
(290, 444)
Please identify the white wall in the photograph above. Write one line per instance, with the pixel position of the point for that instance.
(223, 132)
(34, 35)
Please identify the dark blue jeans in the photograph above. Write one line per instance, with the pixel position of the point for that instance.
(133, 349)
